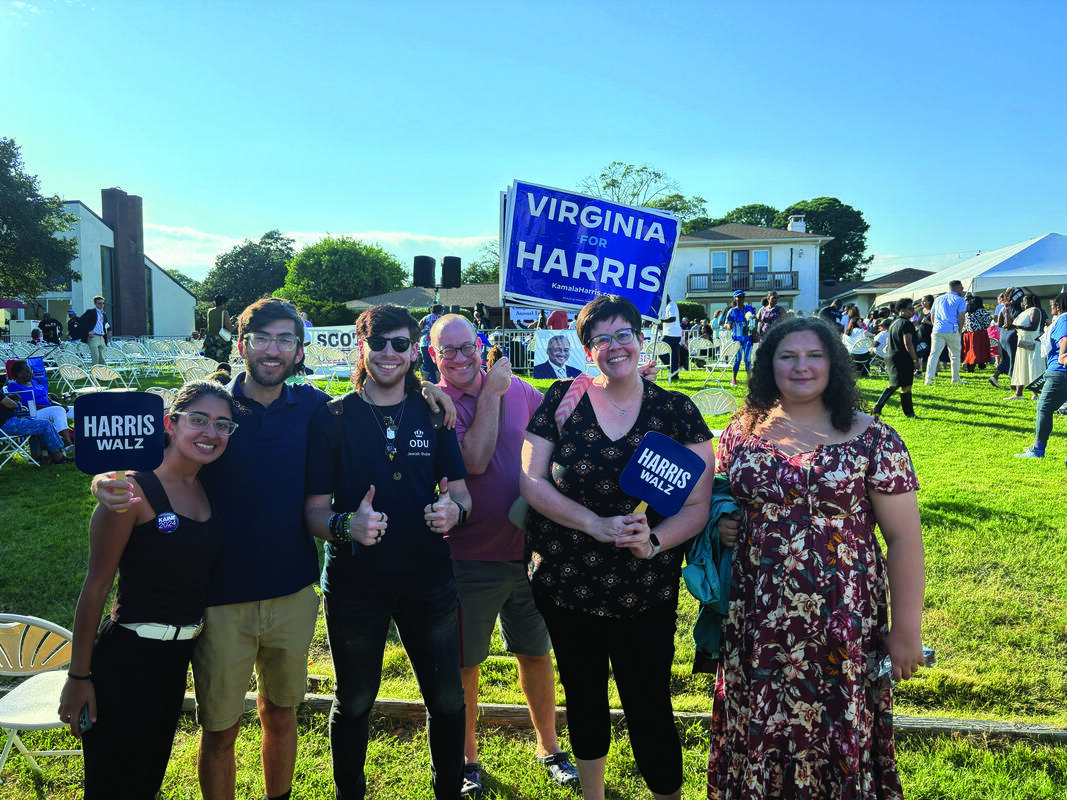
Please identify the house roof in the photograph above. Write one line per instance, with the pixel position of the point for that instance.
(891, 280)
(735, 232)
(467, 296)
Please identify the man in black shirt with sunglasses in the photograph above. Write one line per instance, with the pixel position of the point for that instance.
(384, 486)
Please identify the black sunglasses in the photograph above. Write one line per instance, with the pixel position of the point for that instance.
(377, 343)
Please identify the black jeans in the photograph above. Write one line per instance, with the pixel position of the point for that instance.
(140, 686)
(428, 623)
(640, 651)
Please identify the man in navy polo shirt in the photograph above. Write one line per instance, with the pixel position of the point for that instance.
(375, 462)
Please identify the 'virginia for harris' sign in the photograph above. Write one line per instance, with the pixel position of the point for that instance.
(562, 249)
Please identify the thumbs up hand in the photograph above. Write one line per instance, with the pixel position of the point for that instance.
(367, 526)
(443, 513)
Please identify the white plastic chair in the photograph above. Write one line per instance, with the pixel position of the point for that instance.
(37, 648)
(714, 402)
(723, 363)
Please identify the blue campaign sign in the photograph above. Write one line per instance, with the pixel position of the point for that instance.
(563, 249)
(118, 430)
(662, 473)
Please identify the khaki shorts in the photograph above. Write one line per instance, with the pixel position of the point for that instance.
(270, 636)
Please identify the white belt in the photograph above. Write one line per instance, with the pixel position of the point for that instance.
(157, 630)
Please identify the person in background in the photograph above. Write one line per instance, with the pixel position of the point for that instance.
(854, 326)
(216, 346)
(307, 328)
(74, 326)
(51, 330)
(429, 369)
(802, 708)
(1054, 391)
(36, 337)
(976, 352)
(58, 413)
(132, 678)
(558, 320)
(1011, 308)
(833, 315)
(605, 579)
(737, 320)
(1027, 364)
(14, 423)
(770, 313)
(949, 317)
(672, 337)
(901, 360)
(96, 330)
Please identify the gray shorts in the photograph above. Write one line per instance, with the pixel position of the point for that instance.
(488, 589)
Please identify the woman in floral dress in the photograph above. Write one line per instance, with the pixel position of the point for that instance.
(801, 710)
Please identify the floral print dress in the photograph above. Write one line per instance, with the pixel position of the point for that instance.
(798, 712)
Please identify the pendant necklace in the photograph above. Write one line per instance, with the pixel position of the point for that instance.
(622, 412)
(388, 426)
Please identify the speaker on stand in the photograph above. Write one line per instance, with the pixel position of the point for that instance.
(450, 272)
(423, 272)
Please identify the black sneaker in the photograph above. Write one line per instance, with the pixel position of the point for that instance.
(560, 768)
(472, 781)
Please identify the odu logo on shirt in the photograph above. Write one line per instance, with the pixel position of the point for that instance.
(167, 522)
(419, 444)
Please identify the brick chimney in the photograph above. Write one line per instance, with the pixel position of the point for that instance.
(796, 224)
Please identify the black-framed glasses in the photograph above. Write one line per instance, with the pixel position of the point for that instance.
(377, 343)
(286, 342)
(200, 422)
(449, 353)
(623, 336)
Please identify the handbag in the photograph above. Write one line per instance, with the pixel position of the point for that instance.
(225, 335)
(520, 508)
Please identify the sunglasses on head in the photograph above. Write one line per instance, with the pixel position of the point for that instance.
(377, 343)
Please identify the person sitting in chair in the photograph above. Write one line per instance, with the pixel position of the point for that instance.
(48, 407)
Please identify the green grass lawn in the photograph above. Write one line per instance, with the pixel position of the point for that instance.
(995, 610)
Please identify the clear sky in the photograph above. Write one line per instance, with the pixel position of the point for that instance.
(400, 122)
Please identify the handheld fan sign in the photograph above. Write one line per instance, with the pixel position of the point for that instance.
(661, 474)
(117, 431)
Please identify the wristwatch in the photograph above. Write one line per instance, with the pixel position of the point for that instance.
(654, 541)
(462, 512)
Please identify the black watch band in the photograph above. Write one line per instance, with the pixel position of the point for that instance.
(462, 512)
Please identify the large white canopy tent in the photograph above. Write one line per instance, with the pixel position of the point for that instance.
(1037, 265)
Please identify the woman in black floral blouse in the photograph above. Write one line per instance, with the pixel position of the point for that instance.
(605, 580)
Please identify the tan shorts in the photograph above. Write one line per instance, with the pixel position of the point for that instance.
(271, 636)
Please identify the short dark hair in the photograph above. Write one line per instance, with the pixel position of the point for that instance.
(952, 284)
(437, 308)
(221, 299)
(378, 321)
(267, 310)
(841, 397)
(904, 304)
(604, 307)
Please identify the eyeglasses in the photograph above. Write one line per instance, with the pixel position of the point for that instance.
(449, 353)
(377, 343)
(200, 422)
(623, 336)
(286, 343)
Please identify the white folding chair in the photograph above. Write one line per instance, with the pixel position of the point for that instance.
(723, 363)
(15, 444)
(39, 649)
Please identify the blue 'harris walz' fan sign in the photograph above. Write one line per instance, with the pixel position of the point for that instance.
(118, 430)
(562, 249)
(661, 474)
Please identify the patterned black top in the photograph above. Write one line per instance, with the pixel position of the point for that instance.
(571, 568)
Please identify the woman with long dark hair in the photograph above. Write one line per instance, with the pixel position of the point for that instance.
(130, 675)
(802, 706)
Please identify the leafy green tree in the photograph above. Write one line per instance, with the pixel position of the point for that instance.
(190, 284)
(753, 214)
(685, 208)
(700, 224)
(629, 184)
(324, 276)
(844, 258)
(247, 271)
(486, 268)
(34, 259)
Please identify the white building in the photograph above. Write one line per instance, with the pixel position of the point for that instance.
(710, 265)
(141, 298)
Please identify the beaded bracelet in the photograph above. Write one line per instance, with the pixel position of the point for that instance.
(342, 533)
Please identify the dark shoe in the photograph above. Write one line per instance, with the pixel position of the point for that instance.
(472, 781)
(560, 768)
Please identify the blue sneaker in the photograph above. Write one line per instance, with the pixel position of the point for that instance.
(472, 781)
(1030, 452)
(560, 768)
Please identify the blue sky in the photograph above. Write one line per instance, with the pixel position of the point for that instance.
(399, 123)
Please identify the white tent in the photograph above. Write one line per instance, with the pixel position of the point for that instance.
(1038, 265)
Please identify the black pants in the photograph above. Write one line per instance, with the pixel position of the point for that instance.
(1009, 343)
(140, 685)
(640, 651)
(672, 361)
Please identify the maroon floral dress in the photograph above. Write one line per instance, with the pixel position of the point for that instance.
(798, 713)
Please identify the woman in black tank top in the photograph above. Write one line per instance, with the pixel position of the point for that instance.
(129, 672)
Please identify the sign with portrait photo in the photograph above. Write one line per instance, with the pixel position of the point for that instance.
(558, 355)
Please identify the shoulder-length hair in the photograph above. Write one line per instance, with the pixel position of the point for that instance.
(378, 321)
(841, 397)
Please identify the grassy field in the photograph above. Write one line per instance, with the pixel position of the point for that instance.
(995, 610)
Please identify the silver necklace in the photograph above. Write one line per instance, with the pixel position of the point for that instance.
(386, 423)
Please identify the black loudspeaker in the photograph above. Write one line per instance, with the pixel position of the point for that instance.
(423, 272)
(450, 273)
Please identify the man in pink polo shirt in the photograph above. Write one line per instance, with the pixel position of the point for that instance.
(492, 411)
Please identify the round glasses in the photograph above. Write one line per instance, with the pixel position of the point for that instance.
(623, 336)
(200, 422)
(450, 353)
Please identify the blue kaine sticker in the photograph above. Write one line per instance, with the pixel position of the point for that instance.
(167, 522)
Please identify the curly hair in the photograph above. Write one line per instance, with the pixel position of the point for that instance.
(376, 322)
(841, 397)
